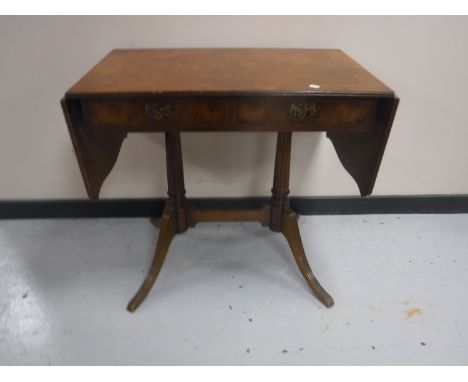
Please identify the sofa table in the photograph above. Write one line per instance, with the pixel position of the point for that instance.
(244, 90)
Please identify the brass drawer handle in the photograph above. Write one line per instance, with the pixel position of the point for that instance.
(157, 111)
(302, 110)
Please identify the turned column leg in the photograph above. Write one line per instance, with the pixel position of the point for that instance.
(175, 181)
(173, 220)
(280, 190)
(283, 220)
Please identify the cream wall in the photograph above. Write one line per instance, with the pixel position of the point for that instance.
(424, 59)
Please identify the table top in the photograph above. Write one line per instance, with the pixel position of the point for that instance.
(228, 71)
(178, 90)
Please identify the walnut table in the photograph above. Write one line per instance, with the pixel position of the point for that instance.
(177, 90)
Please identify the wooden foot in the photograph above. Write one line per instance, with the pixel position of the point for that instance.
(166, 234)
(290, 230)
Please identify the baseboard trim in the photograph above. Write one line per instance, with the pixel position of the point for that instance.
(419, 204)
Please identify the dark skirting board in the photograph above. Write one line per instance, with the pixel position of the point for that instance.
(347, 205)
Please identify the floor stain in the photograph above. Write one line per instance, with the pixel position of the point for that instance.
(413, 312)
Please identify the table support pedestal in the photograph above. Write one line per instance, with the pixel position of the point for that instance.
(177, 216)
(284, 220)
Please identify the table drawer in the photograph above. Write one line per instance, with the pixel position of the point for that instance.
(344, 114)
(307, 114)
(156, 114)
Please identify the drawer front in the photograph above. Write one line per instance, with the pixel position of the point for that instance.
(342, 114)
(307, 114)
(156, 114)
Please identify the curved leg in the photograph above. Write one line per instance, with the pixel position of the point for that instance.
(166, 234)
(290, 230)
(173, 220)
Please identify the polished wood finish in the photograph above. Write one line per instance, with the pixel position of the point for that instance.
(290, 230)
(261, 215)
(159, 72)
(96, 150)
(334, 114)
(361, 154)
(174, 90)
(278, 216)
(177, 90)
(174, 218)
(284, 220)
(168, 229)
(175, 181)
(280, 190)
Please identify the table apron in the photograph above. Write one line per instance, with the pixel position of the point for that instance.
(332, 114)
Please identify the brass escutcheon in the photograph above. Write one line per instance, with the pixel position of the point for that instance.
(302, 110)
(157, 111)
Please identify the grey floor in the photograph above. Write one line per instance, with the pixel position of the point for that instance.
(230, 294)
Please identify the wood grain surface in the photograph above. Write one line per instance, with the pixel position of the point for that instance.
(192, 71)
(177, 90)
